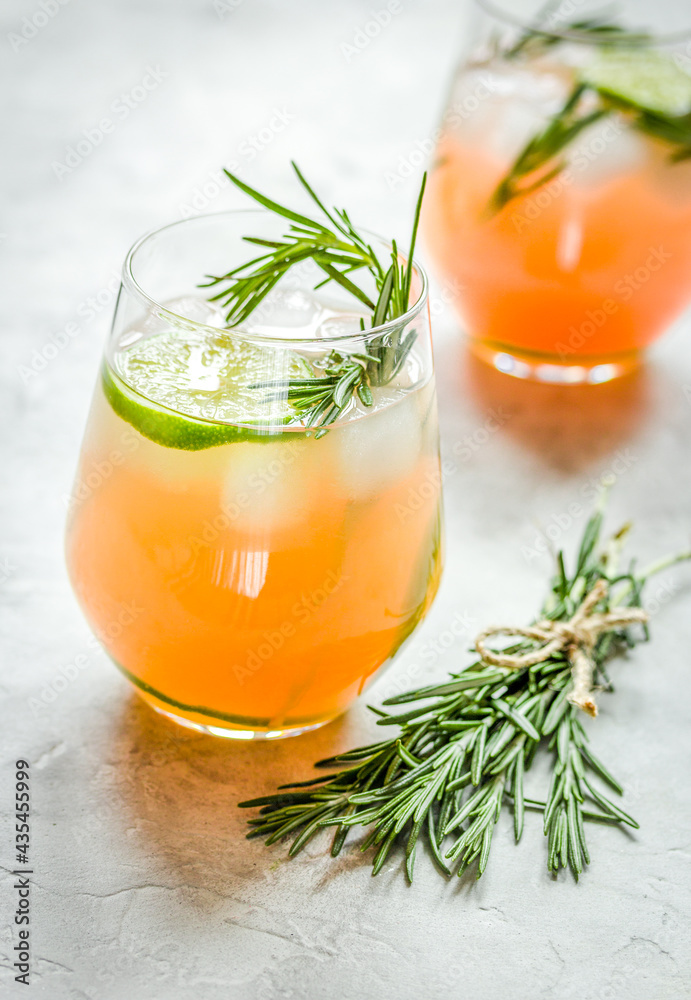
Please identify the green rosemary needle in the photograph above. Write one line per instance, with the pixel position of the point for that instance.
(542, 157)
(463, 746)
(602, 29)
(338, 250)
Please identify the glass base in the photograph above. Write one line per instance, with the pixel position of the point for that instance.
(236, 733)
(551, 369)
(213, 723)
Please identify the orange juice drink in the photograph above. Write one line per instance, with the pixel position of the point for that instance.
(247, 574)
(267, 577)
(588, 260)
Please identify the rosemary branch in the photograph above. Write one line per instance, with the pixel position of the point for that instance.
(542, 157)
(463, 746)
(338, 250)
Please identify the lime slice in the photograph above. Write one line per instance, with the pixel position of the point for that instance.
(192, 391)
(648, 79)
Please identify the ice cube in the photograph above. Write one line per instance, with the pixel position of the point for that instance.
(198, 310)
(378, 450)
(474, 99)
(285, 312)
(520, 103)
(341, 324)
(188, 307)
(268, 488)
(607, 148)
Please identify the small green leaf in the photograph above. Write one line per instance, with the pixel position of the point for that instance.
(517, 719)
(518, 800)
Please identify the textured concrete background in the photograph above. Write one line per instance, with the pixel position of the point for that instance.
(144, 887)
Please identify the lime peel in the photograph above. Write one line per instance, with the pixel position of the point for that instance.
(152, 387)
(649, 80)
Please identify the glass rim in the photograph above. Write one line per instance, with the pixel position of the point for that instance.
(132, 285)
(581, 37)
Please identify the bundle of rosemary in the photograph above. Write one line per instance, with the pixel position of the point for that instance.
(462, 747)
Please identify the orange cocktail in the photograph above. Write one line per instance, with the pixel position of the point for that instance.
(264, 573)
(568, 272)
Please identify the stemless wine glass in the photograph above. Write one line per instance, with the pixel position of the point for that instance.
(559, 203)
(245, 573)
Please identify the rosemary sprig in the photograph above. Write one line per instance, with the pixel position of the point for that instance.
(542, 159)
(602, 29)
(337, 248)
(463, 746)
(322, 398)
(675, 130)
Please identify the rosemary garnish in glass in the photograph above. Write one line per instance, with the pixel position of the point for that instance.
(338, 250)
(542, 157)
(463, 746)
(600, 28)
(540, 160)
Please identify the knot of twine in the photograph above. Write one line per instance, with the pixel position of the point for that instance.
(576, 638)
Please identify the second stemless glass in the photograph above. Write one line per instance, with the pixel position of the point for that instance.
(569, 280)
(249, 577)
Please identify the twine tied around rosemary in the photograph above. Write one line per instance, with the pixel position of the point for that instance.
(576, 638)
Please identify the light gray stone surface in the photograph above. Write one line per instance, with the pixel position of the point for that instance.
(144, 887)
